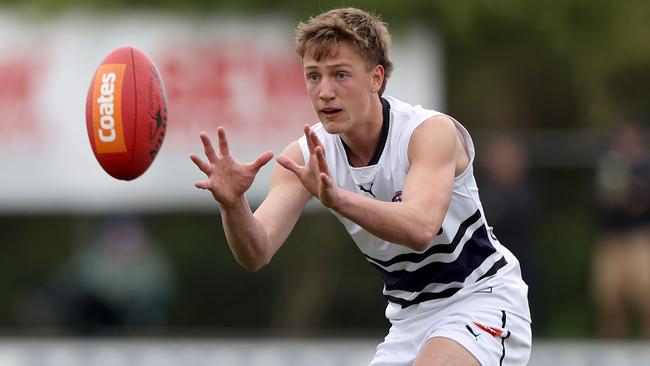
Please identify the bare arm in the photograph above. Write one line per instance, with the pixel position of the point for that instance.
(414, 222)
(284, 203)
(253, 238)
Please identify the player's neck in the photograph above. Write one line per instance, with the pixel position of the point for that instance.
(361, 140)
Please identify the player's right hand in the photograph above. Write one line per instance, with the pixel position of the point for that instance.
(314, 175)
(228, 179)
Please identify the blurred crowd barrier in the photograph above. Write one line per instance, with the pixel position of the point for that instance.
(240, 72)
(257, 352)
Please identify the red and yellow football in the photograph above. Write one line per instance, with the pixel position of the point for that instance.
(126, 113)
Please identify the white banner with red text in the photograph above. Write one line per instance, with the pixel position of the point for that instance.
(241, 73)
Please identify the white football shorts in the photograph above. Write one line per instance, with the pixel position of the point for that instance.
(492, 335)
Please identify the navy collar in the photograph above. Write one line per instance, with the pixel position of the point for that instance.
(383, 135)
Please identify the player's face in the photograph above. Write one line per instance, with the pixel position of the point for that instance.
(341, 88)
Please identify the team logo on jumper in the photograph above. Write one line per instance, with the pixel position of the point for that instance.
(397, 197)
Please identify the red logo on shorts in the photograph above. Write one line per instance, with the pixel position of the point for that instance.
(493, 331)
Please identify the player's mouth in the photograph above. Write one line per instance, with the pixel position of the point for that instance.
(330, 112)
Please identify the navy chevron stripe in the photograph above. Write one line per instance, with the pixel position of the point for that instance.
(423, 297)
(442, 294)
(441, 248)
(495, 267)
(475, 251)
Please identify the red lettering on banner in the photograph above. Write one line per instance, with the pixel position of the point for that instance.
(19, 73)
(256, 92)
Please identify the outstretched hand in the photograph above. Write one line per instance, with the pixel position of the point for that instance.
(314, 175)
(228, 179)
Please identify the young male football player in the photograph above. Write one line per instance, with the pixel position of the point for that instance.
(400, 179)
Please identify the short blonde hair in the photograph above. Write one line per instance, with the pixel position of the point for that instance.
(366, 32)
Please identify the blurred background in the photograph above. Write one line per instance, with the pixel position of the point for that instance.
(97, 271)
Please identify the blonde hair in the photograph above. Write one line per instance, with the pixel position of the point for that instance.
(366, 32)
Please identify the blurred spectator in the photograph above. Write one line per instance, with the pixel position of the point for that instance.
(511, 206)
(120, 280)
(621, 267)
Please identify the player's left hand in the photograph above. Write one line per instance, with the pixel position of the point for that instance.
(314, 175)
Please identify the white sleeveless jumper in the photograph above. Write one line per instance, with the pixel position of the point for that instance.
(463, 258)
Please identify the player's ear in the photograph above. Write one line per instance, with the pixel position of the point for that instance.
(377, 78)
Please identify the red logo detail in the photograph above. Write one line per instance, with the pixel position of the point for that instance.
(492, 331)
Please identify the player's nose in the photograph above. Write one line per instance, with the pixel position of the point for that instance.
(326, 89)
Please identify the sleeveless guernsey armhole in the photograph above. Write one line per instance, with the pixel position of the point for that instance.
(466, 140)
(468, 146)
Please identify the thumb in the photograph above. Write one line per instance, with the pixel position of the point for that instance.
(326, 180)
(261, 160)
(288, 164)
(202, 184)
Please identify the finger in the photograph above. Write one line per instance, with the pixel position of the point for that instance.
(322, 163)
(207, 148)
(223, 142)
(288, 164)
(261, 160)
(310, 144)
(202, 165)
(315, 141)
(202, 184)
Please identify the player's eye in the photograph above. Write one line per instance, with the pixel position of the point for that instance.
(312, 76)
(341, 75)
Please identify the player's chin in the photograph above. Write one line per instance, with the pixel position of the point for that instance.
(333, 127)
(334, 124)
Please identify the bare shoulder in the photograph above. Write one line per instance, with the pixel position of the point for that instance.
(293, 152)
(437, 133)
(282, 176)
(437, 140)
